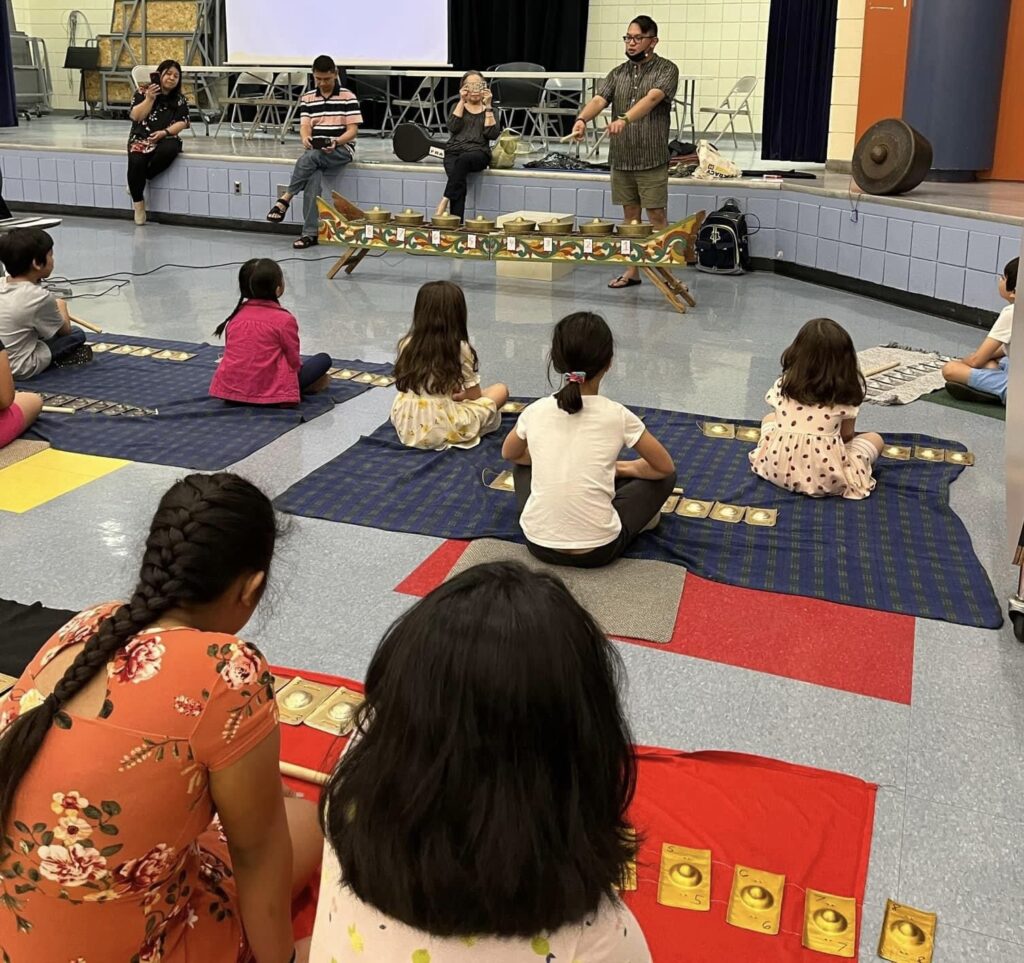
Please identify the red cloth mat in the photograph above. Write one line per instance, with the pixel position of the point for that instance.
(812, 825)
(858, 650)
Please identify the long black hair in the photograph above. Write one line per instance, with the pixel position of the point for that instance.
(582, 344)
(259, 277)
(487, 792)
(1010, 273)
(820, 366)
(207, 531)
(430, 356)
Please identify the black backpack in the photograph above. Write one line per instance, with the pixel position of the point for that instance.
(722, 246)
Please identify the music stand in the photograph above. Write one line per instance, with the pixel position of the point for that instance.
(82, 59)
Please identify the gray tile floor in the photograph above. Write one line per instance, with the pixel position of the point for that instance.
(947, 835)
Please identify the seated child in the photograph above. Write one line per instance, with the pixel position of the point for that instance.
(18, 409)
(35, 325)
(579, 504)
(478, 815)
(808, 443)
(984, 375)
(261, 363)
(440, 403)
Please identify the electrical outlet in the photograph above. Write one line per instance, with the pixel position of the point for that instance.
(238, 187)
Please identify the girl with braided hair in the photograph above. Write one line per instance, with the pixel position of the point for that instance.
(132, 729)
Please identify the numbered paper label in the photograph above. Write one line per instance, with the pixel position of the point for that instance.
(368, 232)
(471, 241)
(435, 238)
(588, 245)
(549, 245)
(400, 235)
(510, 243)
(625, 248)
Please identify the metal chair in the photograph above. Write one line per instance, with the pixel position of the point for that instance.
(559, 99)
(375, 90)
(518, 94)
(281, 101)
(423, 103)
(742, 90)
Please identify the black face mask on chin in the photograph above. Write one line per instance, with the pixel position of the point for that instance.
(639, 58)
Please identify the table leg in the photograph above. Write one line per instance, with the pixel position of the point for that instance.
(669, 294)
(340, 263)
(354, 261)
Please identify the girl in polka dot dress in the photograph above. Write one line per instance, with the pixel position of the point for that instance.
(808, 443)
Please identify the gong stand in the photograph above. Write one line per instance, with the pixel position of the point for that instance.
(344, 223)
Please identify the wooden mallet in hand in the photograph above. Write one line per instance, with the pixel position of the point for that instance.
(85, 324)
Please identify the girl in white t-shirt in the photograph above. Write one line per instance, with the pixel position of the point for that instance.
(985, 374)
(440, 402)
(479, 813)
(579, 503)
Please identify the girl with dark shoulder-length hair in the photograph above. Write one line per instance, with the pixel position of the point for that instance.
(134, 726)
(159, 113)
(479, 814)
(808, 441)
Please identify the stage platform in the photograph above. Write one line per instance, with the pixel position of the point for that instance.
(939, 249)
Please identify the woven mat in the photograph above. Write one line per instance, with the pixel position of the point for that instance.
(19, 450)
(905, 383)
(984, 408)
(632, 598)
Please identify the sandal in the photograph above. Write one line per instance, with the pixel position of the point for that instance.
(623, 282)
(305, 241)
(277, 212)
(967, 393)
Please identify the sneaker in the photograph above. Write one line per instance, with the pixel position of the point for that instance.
(140, 212)
(967, 393)
(73, 359)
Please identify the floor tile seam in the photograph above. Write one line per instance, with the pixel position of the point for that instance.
(988, 936)
(957, 715)
(967, 809)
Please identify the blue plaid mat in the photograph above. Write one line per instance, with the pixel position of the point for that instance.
(191, 429)
(901, 550)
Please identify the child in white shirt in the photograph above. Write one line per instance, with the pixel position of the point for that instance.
(984, 375)
(579, 504)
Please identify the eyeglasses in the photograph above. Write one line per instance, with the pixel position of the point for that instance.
(636, 38)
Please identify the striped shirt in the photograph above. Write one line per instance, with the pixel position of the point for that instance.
(328, 116)
(644, 143)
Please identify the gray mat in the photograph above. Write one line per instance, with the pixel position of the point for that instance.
(19, 450)
(632, 598)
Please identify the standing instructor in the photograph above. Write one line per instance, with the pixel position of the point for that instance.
(640, 92)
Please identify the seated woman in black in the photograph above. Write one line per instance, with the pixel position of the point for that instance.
(159, 114)
(472, 127)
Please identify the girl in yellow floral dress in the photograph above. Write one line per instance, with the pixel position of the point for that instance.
(133, 726)
(440, 403)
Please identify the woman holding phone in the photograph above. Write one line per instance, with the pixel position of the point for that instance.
(159, 113)
(473, 127)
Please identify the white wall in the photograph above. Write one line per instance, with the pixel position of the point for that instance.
(717, 40)
(47, 19)
(846, 80)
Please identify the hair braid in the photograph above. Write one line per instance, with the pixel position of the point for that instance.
(207, 530)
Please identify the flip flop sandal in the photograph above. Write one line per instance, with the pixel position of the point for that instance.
(303, 242)
(967, 393)
(622, 277)
(277, 213)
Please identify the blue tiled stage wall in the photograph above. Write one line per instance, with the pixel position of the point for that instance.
(953, 258)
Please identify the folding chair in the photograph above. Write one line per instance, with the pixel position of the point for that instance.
(742, 90)
(248, 88)
(375, 90)
(559, 99)
(518, 93)
(423, 103)
(282, 101)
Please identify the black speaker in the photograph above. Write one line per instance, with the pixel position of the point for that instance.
(82, 58)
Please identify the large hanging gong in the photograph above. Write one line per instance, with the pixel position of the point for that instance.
(891, 158)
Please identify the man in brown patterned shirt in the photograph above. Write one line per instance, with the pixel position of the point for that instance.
(640, 92)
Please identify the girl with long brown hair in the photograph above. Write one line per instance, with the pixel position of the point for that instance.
(440, 402)
(808, 442)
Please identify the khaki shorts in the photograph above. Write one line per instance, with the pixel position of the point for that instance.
(648, 188)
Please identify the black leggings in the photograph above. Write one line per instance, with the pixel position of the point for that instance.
(144, 167)
(636, 502)
(458, 167)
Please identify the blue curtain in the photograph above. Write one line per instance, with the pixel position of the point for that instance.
(8, 110)
(798, 79)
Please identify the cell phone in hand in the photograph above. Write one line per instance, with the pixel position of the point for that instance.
(319, 142)
(154, 78)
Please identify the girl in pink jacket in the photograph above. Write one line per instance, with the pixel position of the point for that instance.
(261, 363)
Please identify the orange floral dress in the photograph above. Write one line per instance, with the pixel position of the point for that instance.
(112, 852)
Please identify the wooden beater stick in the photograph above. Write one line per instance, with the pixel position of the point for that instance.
(882, 367)
(301, 772)
(86, 325)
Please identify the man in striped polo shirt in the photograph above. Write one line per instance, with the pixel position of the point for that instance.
(641, 92)
(329, 120)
